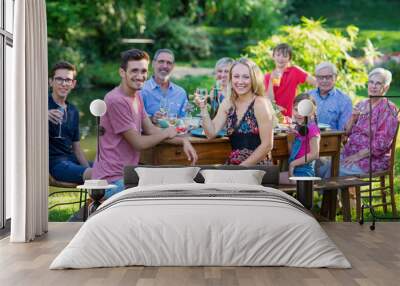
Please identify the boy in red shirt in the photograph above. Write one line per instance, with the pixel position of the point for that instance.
(281, 84)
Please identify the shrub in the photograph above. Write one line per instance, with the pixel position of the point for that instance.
(187, 41)
(313, 44)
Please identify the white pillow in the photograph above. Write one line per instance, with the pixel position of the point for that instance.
(166, 176)
(249, 177)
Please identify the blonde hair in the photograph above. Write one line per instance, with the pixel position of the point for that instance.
(224, 62)
(256, 76)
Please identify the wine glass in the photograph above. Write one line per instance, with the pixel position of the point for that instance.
(63, 120)
(164, 107)
(172, 118)
(202, 92)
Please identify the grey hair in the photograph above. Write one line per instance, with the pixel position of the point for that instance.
(160, 51)
(386, 74)
(324, 65)
(224, 62)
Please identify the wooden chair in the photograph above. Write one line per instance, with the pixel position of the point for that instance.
(383, 188)
(67, 185)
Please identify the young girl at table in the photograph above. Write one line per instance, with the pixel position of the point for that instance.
(298, 145)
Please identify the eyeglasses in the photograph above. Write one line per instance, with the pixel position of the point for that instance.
(375, 83)
(324, 77)
(60, 80)
(161, 62)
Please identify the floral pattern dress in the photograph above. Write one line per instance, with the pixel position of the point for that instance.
(384, 124)
(244, 136)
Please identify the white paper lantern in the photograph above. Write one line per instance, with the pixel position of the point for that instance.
(98, 107)
(305, 107)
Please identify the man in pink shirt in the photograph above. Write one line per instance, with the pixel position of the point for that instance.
(281, 84)
(127, 128)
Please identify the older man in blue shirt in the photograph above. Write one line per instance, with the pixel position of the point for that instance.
(160, 96)
(333, 106)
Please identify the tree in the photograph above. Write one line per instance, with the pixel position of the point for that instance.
(313, 44)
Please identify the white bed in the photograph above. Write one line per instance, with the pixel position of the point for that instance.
(201, 224)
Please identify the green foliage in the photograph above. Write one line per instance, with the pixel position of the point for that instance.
(190, 83)
(377, 20)
(187, 41)
(394, 67)
(313, 44)
(259, 18)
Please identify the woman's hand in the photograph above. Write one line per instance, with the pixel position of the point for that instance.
(350, 160)
(190, 152)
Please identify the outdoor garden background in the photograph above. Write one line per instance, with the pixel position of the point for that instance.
(355, 35)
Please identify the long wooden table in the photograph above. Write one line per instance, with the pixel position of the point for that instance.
(216, 151)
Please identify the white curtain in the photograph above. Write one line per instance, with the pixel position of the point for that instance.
(26, 124)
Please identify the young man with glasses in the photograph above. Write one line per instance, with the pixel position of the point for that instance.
(334, 107)
(67, 162)
(159, 92)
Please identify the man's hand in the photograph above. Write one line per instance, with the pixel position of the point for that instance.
(190, 152)
(156, 116)
(55, 116)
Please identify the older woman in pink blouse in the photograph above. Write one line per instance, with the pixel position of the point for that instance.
(355, 155)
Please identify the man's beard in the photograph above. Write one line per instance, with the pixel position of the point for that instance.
(164, 78)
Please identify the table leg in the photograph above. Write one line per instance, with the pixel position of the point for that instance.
(85, 207)
(332, 201)
(335, 165)
(346, 204)
(325, 203)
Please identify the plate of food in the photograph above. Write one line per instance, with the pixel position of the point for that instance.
(199, 132)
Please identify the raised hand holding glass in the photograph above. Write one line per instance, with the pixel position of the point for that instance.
(63, 119)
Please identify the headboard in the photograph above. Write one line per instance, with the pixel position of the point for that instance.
(270, 179)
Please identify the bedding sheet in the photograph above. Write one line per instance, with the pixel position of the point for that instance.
(201, 225)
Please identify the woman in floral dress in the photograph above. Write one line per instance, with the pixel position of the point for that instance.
(355, 155)
(247, 116)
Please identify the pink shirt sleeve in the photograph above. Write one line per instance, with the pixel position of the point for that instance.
(120, 114)
(301, 75)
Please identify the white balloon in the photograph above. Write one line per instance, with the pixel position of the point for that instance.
(305, 107)
(98, 107)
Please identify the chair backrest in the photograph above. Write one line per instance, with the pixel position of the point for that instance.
(393, 148)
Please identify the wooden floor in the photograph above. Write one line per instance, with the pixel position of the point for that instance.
(375, 256)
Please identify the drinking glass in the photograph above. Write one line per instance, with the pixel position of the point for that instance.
(277, 80)
(63, 120)
(202, 93)
(172, 118)
(164, 107)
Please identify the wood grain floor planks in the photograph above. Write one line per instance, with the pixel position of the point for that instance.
(374, 255)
